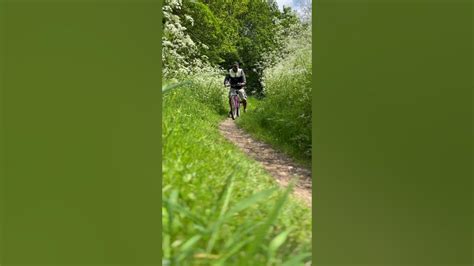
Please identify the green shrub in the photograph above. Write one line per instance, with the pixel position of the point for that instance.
(283, 116)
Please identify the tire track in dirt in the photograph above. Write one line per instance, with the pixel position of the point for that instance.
(280, 166)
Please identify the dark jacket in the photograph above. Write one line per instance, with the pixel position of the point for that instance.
(235, 77)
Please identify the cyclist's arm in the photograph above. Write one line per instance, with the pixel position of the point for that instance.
(226, 79)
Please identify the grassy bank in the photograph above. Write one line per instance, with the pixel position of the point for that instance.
(282, 120)
(290, 138)
(219, 207)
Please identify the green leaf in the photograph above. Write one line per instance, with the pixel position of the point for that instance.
(169, 87)
(186, 248)
(278, 241)
(220, 220)
(297, 260)
(244, 204)
(260, 236)
(190, 243)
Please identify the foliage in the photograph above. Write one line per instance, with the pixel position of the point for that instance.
(219, 207)
(258, 35)
(284, 116)
(180, 53)
(205, 29)
(206, 34)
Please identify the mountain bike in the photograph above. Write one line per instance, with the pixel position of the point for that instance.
(235, 103)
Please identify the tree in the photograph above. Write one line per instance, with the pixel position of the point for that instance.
(220, 32)
(205, 29)
(257, 37)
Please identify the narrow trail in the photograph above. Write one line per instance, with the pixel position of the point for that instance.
(280, 166)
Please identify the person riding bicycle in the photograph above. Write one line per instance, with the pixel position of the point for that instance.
(236, 79)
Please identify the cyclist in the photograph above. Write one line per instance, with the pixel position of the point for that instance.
(236, 79)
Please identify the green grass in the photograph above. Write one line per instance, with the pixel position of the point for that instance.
(258, 124)
(219, 206)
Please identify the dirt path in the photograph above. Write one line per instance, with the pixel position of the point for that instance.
(277, 164)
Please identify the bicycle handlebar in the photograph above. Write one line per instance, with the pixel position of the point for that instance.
(238, 85)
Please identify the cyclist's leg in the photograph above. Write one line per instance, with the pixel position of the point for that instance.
(243, 97)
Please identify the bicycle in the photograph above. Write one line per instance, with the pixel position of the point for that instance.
(234, 101)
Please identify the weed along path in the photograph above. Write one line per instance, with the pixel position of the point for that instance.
(277, 164)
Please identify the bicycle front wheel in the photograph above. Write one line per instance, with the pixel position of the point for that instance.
(235, 107)
(238, 107)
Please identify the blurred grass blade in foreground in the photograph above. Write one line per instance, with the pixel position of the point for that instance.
(167, 87)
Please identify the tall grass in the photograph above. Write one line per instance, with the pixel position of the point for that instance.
(283, 116)
(219, 207)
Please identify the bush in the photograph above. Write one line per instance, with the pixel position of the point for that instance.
(283, 117)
